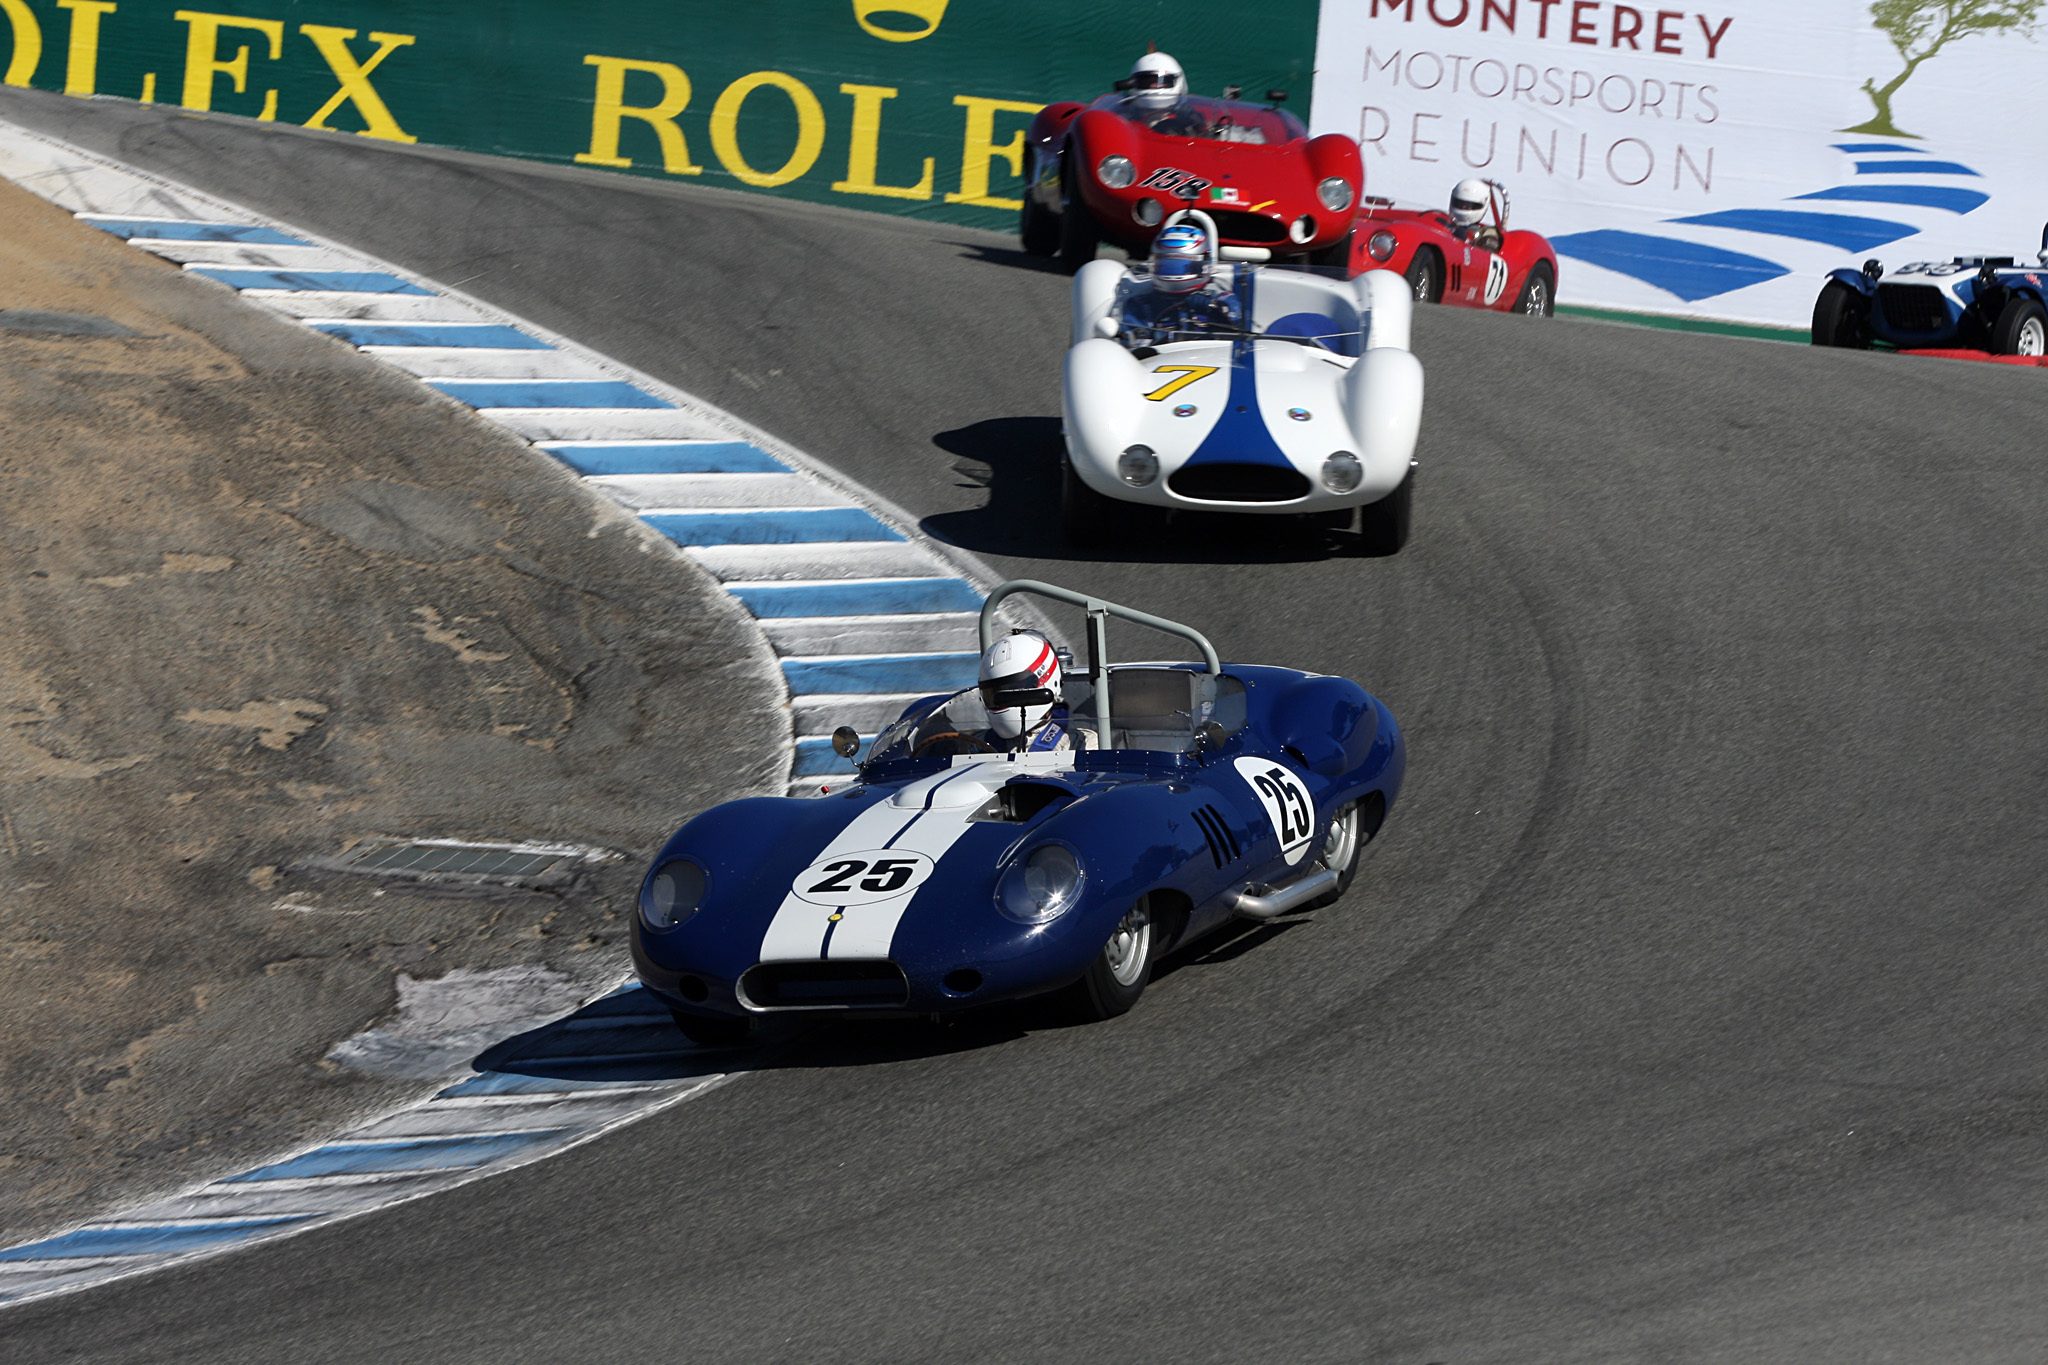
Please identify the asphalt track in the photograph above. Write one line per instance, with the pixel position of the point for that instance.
(1690, 1008)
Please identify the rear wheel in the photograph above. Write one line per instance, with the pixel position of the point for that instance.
(707, 1031)
(1841, 317)
(1425, 275)
(1086, 517)
(1117, 976)
(1078, 237)
(1539, 292)
(2022, 328)
(1383, 525)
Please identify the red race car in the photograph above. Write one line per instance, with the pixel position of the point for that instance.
(1466, 256)
(1114, 170)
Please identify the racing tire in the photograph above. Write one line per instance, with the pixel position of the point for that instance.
(1078, 236)
(1841, 317)
(1087, 518)
(1383, 525)
(1117, 976)
(1037, 226)
(1425, 275)
(1538, 298)
(708, 1031)
(2021, 329)
(1351, 829)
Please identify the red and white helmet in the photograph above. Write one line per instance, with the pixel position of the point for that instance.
(1157, 82)
(1020, 683)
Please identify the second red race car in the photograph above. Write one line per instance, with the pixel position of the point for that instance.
(1466, 256)
(1114, 170)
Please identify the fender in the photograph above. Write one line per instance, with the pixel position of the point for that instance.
(1335, 154)
(1102, 407)
(1856, 280)
(1095, 286)
(1383, 400)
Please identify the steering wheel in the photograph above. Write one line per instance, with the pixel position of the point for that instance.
(930, 740)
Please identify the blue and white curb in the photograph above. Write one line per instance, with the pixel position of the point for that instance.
(860, 613)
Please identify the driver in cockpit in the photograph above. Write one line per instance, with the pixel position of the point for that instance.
(1020, 688)
(1185, 300)
(1157, 85)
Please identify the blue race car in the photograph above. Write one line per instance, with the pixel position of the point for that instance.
(952, 875)
(1976, 303)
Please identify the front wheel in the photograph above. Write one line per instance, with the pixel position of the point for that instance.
(2022, 328)
(1383, 525)
(1078, 236)
(1539, 292)
(1841, 317)
(1037, 225)
(1425, 275)
(1086, 517)
(1117, 976)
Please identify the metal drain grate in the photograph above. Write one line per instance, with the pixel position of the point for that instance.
(461, 862)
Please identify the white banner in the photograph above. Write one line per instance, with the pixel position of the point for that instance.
(1712, 162)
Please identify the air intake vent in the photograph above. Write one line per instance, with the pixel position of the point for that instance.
(1913, 307)
(1222, 843)
(1239, 483)
(825, 986)
(1255, 229)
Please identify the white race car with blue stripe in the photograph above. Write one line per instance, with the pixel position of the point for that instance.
(1310, 402)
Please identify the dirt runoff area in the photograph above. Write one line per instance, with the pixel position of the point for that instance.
(264, 600)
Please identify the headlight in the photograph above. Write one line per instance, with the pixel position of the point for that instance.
(1116, 172)
(1381, 245)
(1342, 472)
(1147, 211)
(1137, 466)
(1042, 887)
(673, 894)
(1304, 228)
(1335, 194)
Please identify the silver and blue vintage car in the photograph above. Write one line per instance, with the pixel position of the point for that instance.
(1974, 303)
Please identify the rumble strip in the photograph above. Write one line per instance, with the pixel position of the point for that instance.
(860, 612)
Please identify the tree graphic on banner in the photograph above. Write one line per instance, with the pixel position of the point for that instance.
(1921, 28)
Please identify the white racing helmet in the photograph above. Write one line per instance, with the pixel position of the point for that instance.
(1157, 82)
(1468, 202)
(1020, 683)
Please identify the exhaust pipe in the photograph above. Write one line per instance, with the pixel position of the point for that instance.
(1288, 897)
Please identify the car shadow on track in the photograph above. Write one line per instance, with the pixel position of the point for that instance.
(1013, 257)
(1017, 459)
(627, 1037)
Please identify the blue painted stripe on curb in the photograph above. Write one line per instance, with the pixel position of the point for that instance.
(1872, 147)
(178, 230)
(511, 1083)
(411, 1154)
(669, 457)
(301, 281)
(1922, 196)
(548, 393)
(147, 1238)
(1912, 168)
(894, 673)
(886, 597)
(815, 758)
(792, 526)
(486, 334)
(1831, 229)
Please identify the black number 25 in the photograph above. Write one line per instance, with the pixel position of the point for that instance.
(885, 875)
(1287, 799)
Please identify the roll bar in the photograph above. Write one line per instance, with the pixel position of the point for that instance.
(1099, 613)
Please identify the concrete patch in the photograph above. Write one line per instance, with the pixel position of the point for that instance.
(442, 1023)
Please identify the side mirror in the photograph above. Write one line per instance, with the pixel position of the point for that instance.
(1236, 92)
(1277, 96)
(1107, 327)
(1209, 736)
(846, 741)
(1873, 268)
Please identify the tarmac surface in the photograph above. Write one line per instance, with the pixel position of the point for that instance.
(1689, 1007)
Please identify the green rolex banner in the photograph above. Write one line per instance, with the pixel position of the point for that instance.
(902, 106)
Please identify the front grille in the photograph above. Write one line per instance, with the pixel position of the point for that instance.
(1238, 483)
(1913, 307)
(1235, 225)
(824, 985)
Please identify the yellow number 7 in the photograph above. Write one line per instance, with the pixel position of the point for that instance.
(1188, 375)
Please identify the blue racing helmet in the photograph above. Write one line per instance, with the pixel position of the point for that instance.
(1180, 259)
